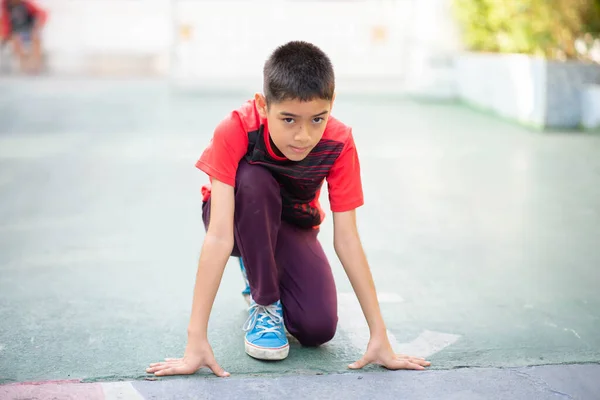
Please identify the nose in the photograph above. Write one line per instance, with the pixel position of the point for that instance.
(302, 135)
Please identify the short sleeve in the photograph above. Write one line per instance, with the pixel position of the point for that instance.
(344, 180)
(38, 11)
(228, 145)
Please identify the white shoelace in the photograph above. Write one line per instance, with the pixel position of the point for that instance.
(265, 318)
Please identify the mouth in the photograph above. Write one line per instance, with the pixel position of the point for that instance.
(299, 150)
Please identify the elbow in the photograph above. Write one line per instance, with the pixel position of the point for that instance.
(222, 240)
(338, 245)
(343, 243)
(339, 250)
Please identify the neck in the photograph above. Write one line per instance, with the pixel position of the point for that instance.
(275, 149)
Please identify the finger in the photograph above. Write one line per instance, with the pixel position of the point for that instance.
(421, 362)
(159, 368)
(173, 359)
(414, 360)
(169, 371)
(156, 364)
(179, 369)
(404, 364)
(412, 365)
(405, 357)
(359, 364)
(164, 363)
(217, 370)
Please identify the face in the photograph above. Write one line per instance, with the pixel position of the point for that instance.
(295, 126)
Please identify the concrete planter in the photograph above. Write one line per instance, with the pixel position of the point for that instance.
(533, 91)
(590, 104)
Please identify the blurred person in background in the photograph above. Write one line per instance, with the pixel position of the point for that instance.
(21, 22)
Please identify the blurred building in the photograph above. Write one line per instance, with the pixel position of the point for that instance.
(376, 45)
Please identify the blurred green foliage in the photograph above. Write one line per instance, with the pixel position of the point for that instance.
(553, 29)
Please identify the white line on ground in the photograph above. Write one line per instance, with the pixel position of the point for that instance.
(389, 298)
(352, 322)
(574, 333)
(120, 391)
(427, 344)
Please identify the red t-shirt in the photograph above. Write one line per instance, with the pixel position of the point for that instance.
(6, 15)
(244, 135)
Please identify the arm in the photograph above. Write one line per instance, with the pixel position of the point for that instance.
(216, 250)
(348, 248)
(40, 14)
(4, 23)
(219, 160)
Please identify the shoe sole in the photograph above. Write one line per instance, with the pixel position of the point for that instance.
(265, 353)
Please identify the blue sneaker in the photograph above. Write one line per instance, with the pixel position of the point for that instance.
(265, 336)
(246, 291)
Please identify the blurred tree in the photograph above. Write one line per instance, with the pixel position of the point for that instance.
(546, 28)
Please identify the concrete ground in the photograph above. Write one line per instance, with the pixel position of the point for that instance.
(482, 238)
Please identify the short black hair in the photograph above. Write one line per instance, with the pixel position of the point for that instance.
(298, 70)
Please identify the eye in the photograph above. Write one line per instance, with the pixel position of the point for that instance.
(288, 120)
(317, 120)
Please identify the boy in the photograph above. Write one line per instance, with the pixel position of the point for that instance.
(21, 24)
(267, 162)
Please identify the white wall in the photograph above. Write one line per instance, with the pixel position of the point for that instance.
(100, 35)
(433, 42)
(233, 38)
(379, 44)
(591, 107)
(531, 90)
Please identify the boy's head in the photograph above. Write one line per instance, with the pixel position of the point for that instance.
(299, 89)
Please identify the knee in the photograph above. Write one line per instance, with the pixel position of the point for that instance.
(254, 182)
(313, 331)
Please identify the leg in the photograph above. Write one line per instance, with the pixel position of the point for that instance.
(246, 291)
(308, 292)
(256, 225)
(19, 51)
(36, 51)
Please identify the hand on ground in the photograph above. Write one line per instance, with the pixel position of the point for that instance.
(380, 352)
(191, 362)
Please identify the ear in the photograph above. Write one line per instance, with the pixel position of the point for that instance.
(261, 104)
(333, 99)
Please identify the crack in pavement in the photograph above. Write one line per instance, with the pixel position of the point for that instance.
(539, 382)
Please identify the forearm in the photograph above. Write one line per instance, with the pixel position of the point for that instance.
(352, 256)
(40, 14)
(213, 258)
(38, 24)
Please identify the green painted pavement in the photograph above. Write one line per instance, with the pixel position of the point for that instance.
(473, 227)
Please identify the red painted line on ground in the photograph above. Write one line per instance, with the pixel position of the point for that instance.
(56, 382)
(51, 390)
